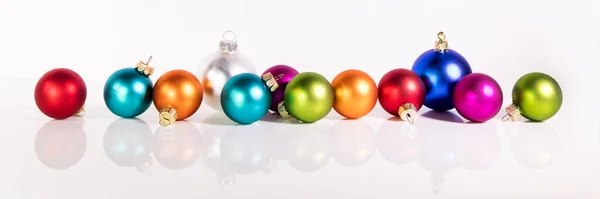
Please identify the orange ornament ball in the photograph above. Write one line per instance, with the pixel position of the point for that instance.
(355, 93)
(177, 95)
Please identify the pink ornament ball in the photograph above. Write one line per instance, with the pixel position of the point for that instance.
(477, 97)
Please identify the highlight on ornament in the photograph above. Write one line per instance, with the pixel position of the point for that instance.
(220, 67)
(128, 91)
(61, 93)
(355, 93)
(535, 96)
(245, 99)
(308, 97)
(177, 95)
(276, 79)
(440, 68)
(401, 93)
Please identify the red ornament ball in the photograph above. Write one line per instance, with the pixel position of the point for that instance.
(398, 87)
(60, 93)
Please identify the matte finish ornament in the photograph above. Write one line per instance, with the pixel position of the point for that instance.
(220, 67)
(60, 93)
(536, 96)
(401, 93)
(477, 97)
(245, 98)
(177, 95)
(128, 91)
(440, 68)
(308, 97)
(276, 78)
(355, 93)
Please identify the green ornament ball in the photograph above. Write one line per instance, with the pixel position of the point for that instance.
(538, 96)
(308, 97)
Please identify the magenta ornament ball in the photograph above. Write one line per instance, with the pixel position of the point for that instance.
(283, 74)
(477, 97)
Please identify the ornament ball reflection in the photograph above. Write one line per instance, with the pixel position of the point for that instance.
(438, 147)
(534, 145)
(353, 142)
(60, 144)
(244, 149)
(177, 146)
(309, 148)
(129, 143)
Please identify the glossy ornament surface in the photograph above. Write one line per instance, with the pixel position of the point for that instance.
(245, 98)
(128, 91)
(477, 97)
(440, 69)
(536, 96)
(177, 95)
(355, 93)
(401, 93)
(220, 66)
(276, 78)
(60, 93)
(308, 97)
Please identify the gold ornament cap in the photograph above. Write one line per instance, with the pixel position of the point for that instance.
(408, 112)
(512, 113)
(81, 111)
(228, 44)
(167, 116)
(144, 68)
(441, 45)
(282, 110)
(270, 81)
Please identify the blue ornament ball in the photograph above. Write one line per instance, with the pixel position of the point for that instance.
(245, 99)
(128, 93)
(440, 71)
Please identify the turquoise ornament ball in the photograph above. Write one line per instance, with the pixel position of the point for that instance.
(128, 93)
(245, 98)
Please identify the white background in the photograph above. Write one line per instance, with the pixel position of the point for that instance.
(504, 39)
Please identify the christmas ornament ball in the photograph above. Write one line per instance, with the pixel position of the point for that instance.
(245, 99)
(440, 72)
(128, 93)
(222, 65)
(60, 93)
(276, 78)
(538, 96)
(355, 93)
(308, 97)
(401, 93)
(177, 95)
(477, 97)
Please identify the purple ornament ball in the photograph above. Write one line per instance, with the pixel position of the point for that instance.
(282, 74)
(477, 97)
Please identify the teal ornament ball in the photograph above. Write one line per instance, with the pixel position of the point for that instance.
(245, 99)
(128, 92)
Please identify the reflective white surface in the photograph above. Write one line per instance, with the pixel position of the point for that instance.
(99, 156)
(208, 156)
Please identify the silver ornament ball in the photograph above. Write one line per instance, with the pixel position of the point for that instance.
(220, 67)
